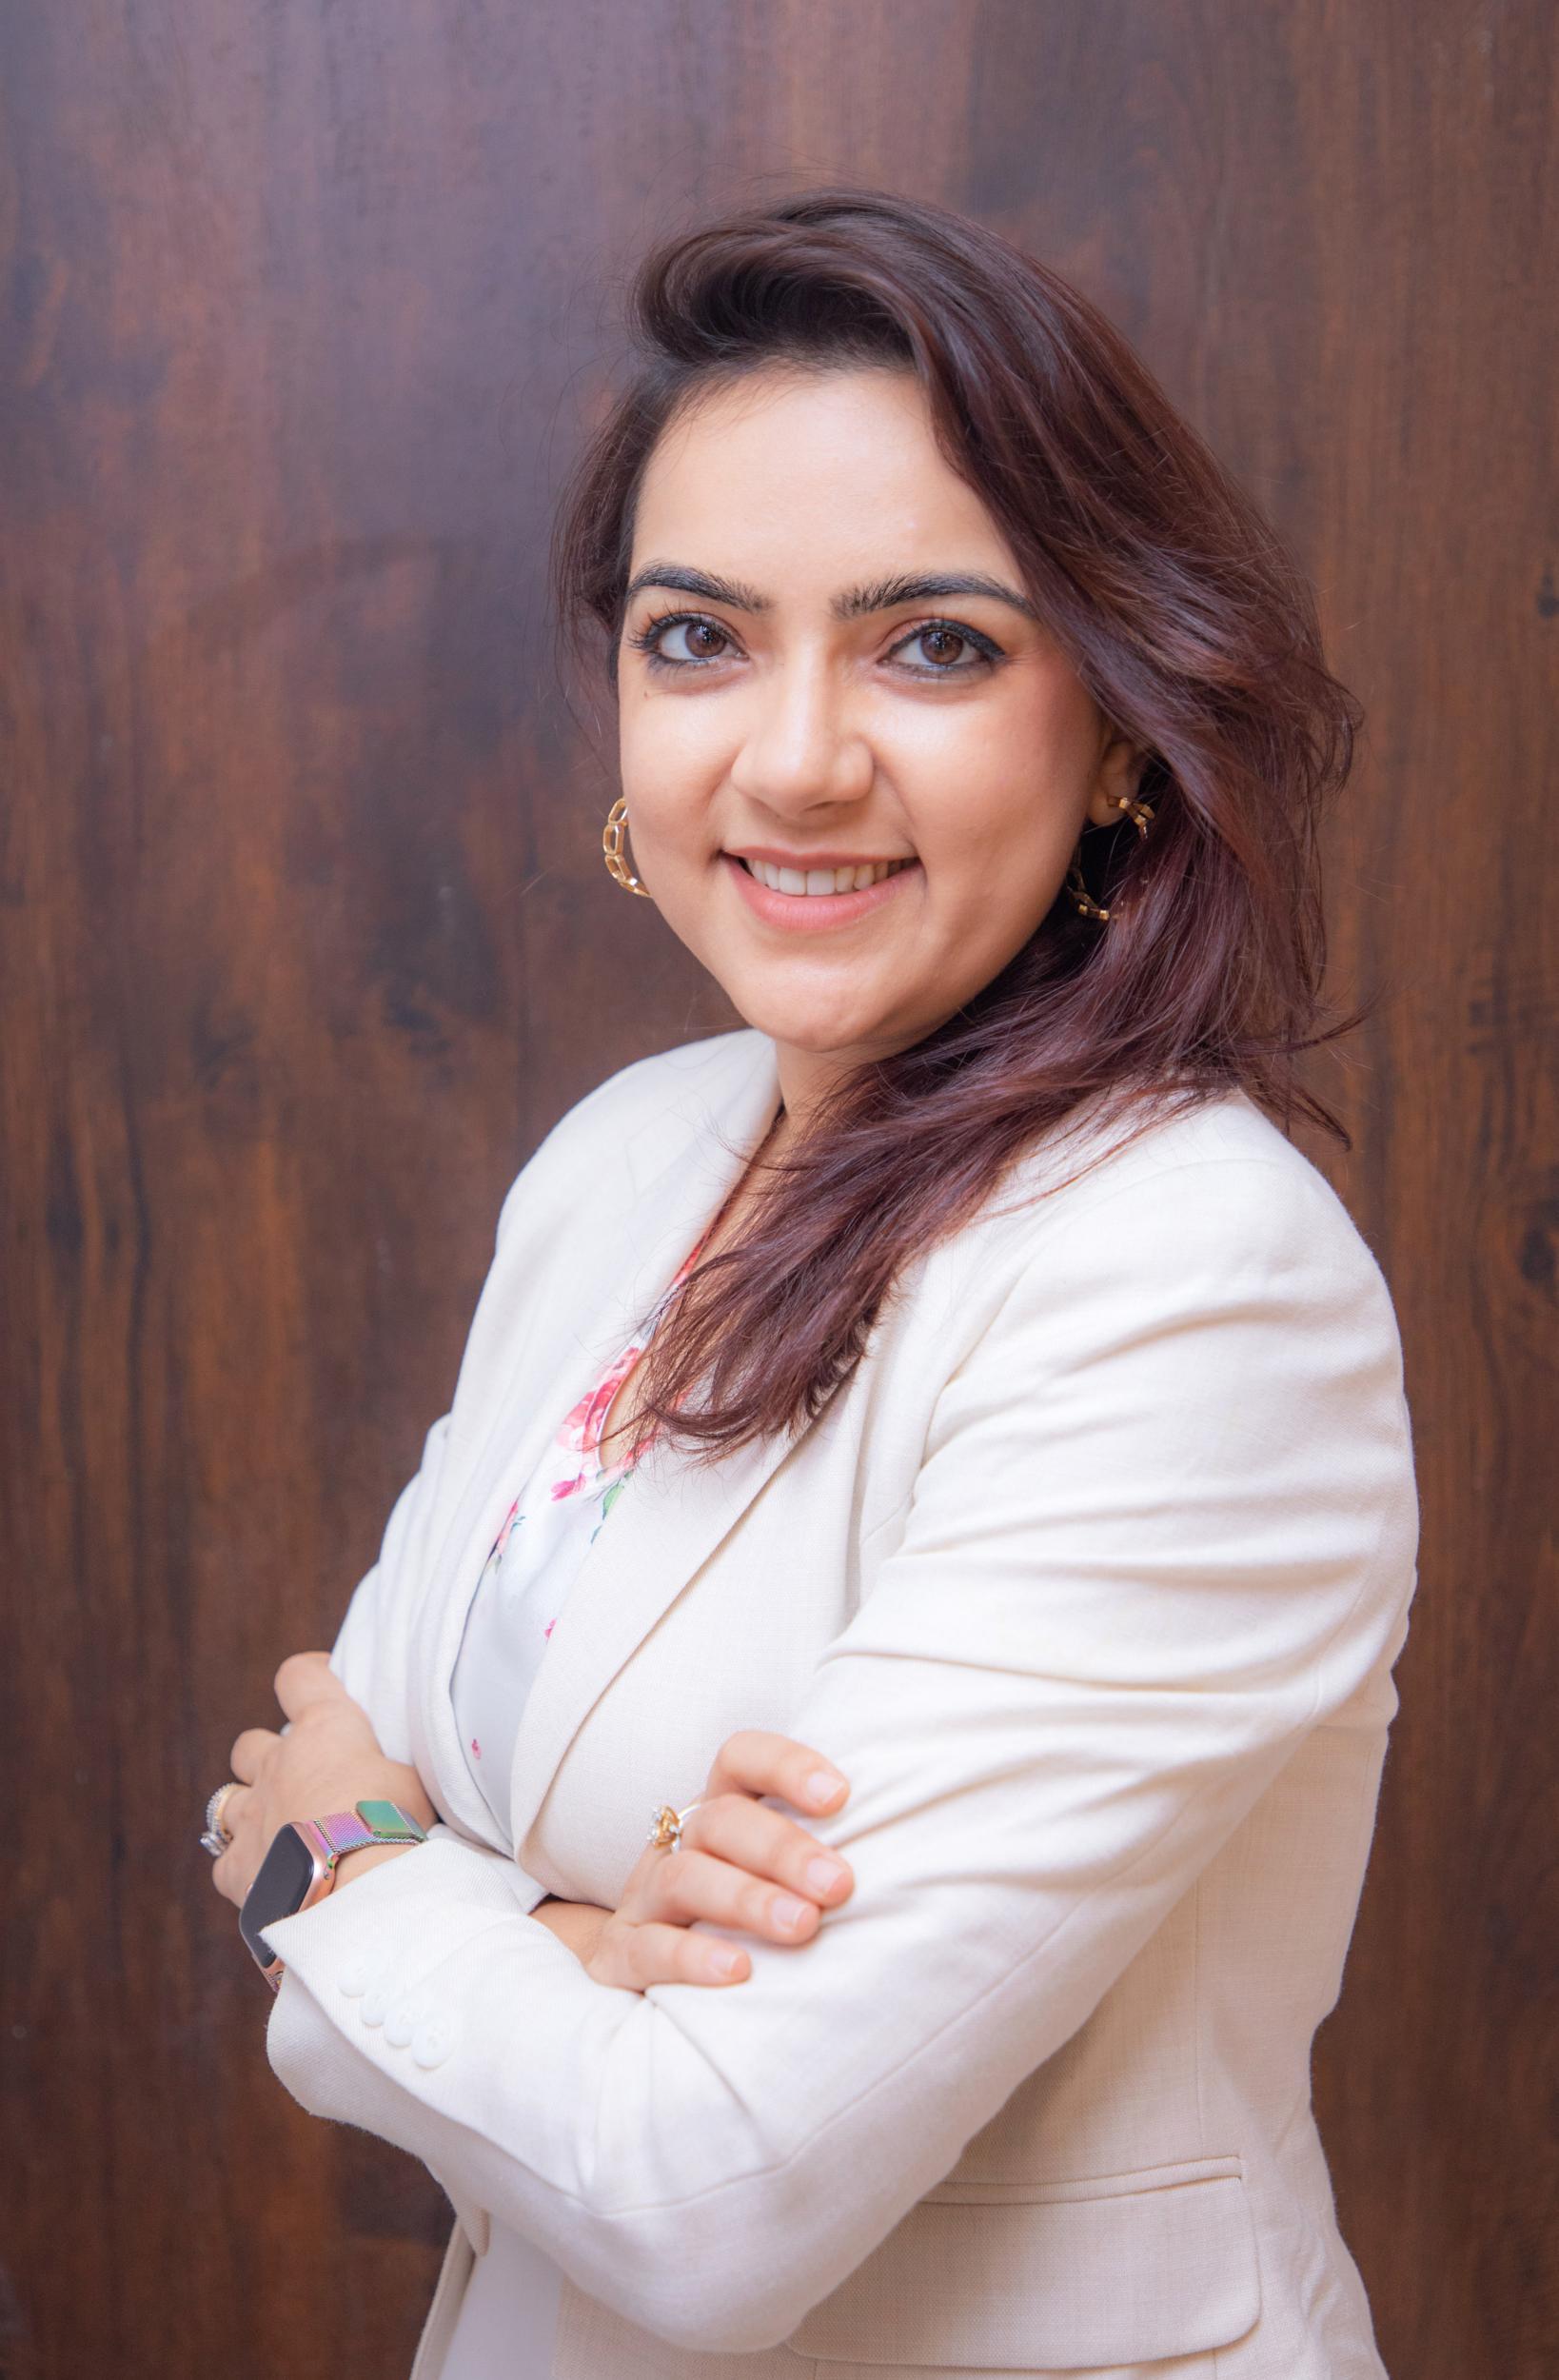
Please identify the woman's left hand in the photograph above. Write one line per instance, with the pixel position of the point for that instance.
(328, 1759)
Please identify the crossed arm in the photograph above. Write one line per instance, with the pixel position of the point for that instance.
(1164, 1526)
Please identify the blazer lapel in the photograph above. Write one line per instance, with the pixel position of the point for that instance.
(674, 1513)
(674, 1172)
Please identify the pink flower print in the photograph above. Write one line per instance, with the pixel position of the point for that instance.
(579, 1432)
(583, 1426)
(551, 1624)
(511, 1522)
(476, 1747)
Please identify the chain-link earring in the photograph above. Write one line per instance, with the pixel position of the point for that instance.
(611, 843)
(1140, 813)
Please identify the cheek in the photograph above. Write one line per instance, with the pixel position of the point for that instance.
(668, 776)
(1004, 781)
(1001, 842)
(661, 738)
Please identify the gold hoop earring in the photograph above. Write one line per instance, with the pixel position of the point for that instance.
(1140, 814)
(611, 843)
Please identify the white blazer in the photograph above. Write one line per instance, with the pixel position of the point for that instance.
(1091, 1581)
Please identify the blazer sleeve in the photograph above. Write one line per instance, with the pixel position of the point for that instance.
(1164, 1526)
(368, 1654)
(370, 1651)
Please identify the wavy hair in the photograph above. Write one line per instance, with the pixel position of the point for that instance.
(1185, 620)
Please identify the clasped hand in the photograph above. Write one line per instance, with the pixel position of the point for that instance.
(734, 1853)
(739, 1863)
(329, 1759)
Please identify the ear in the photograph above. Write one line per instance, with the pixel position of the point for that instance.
(1121, 771)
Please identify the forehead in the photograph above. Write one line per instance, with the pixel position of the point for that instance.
(795, 481)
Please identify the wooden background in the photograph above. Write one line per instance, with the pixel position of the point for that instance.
(305, 940)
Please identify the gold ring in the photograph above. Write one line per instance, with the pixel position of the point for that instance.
(666, 1829)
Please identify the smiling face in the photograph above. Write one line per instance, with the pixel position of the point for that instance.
(828, 666)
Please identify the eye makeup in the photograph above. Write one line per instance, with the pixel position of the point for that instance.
(647, 640)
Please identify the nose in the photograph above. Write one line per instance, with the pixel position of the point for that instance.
(800, 751)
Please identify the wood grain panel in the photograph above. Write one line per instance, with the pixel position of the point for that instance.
(304, 941)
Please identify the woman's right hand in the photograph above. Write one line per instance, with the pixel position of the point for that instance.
(738, 1864)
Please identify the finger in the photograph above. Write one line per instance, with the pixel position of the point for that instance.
(767, 1844)
(687, 1884)
(304, 1680)
(634, 1956)
(235, 1812)
(249, 1752)
(756, 1760)
(225, 1877)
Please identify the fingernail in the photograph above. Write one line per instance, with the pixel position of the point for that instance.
(726, 1962)
(823, 1783)
(789, 1911)
(823, 1874)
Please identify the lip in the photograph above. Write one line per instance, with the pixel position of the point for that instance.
(813, 913)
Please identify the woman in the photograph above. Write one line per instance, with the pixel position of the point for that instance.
(954, 1381)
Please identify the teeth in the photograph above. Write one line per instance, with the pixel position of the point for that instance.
(822, 879)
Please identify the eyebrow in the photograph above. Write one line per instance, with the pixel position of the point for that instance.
(882, 595)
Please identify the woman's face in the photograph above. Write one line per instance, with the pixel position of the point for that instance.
(803, 689)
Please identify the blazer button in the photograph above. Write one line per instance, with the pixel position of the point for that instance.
(377, 2000)
(403, 2021)
(432, 2041)
(355, 1979)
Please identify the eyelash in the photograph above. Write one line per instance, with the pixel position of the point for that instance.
(645, 638)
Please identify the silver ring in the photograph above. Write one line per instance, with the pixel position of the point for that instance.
(216, 1838)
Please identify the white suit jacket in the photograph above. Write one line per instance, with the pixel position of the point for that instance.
(1091, 1581)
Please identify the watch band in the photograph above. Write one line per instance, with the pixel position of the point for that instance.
(368, 1822)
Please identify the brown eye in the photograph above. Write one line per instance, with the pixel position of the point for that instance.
(943, 643)
(704, 640)
(952, 651)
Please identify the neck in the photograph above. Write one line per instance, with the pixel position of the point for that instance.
(806, 1077)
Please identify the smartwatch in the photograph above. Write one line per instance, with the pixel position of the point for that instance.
(299, 1868)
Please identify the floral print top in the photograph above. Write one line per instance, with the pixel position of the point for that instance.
(543, 1539)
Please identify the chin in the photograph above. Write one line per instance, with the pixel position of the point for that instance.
(821, 1029)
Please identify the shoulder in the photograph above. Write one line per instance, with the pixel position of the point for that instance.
(646, 1086)
(1219, 1172)
(691, 1074)
(1209, 1231)
(1196, 1319)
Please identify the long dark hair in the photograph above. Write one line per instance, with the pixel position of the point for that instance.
(1195, 632)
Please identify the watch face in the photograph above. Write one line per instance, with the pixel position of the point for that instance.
(286, 1874)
